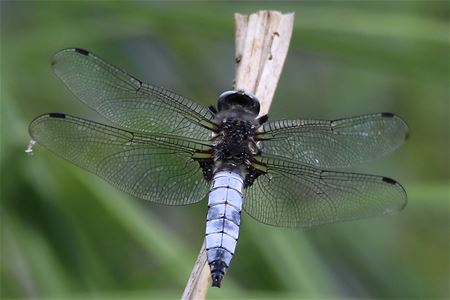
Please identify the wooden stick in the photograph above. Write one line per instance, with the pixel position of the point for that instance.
(262, 42)
(200, 278)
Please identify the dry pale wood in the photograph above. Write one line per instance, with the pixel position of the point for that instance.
(262, 42)
(200, 278)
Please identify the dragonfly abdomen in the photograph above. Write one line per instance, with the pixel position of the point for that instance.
(223, 220)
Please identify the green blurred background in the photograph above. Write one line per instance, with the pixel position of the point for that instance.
(67, 234)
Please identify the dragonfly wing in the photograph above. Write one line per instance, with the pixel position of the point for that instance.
(127, 101)
(297, 195)
(335, 144)
(152, 167)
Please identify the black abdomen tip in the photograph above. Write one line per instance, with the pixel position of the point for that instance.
(57, 115)
(218, 268)
(216, 279)
(82, 51)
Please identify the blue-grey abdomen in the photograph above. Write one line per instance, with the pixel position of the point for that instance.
(223, 220)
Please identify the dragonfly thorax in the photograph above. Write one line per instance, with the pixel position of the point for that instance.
(235, 143)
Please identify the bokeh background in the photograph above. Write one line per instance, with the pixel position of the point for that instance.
(65, 234)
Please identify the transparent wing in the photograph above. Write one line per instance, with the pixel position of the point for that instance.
(335, 144)
(152, 167)
(128, 102)
(297, 195)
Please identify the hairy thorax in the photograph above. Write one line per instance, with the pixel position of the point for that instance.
(235, 143)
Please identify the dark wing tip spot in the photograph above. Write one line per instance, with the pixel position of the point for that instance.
(81, 51)
(387, 115)
(389, 180)
(57, 115)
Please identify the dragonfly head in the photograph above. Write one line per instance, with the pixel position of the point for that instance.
(231, 99)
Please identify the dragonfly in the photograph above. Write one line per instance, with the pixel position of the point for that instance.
(171, 150)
